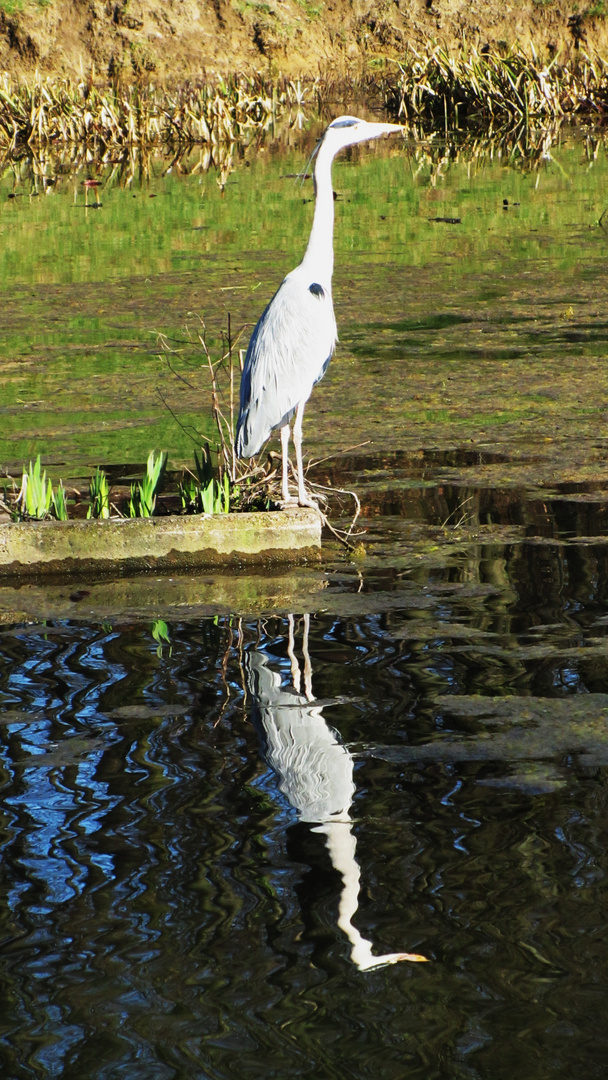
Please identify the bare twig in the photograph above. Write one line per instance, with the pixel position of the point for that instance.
(461, 519)
(257, 483)
(339, 453)
(199, 438)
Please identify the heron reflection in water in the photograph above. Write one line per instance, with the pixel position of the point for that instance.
(315, 773)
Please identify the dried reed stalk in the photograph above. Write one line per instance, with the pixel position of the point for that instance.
(506, 85)
(60, 110)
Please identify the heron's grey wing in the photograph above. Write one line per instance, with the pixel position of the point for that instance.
(289, 351)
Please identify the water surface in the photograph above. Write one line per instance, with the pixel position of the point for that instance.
(205, 844)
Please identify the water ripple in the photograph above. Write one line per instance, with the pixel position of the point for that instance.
(168, 910)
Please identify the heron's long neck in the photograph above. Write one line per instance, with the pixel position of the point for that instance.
(319, 255)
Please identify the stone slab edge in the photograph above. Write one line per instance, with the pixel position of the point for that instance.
(86, 547)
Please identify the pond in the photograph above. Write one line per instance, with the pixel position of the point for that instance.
(206, 844)
(344, 820)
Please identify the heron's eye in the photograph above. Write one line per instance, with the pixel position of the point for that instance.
(343, 123)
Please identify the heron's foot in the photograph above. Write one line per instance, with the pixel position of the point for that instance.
(307, 500)
(287, 500)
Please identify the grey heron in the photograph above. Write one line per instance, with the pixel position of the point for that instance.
(293, 342)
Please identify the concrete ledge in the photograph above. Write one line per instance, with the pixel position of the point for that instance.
(30, 548)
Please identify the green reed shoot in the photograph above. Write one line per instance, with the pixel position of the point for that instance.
(188, 493)
(60, 508)
(143, 495)
(204, 468)
(215, 498)
(160, 633)
(203, 493)
(99, 494)
(36, 493)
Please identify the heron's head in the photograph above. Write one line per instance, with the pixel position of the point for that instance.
(348, 130)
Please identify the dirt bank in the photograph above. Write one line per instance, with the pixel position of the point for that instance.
(176, 39)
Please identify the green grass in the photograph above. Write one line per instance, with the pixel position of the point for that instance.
(13, 7)
(255, 6)
(82, 293)
(311, 10)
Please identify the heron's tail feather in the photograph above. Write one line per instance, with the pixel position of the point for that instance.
(248, 441)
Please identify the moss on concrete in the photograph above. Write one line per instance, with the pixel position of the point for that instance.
(49, 547)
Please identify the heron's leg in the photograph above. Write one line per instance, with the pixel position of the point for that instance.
(303, 498)
(285, 457)
(295, 667)
(307, 663)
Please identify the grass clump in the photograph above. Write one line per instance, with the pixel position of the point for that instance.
(36, 493)
(36, 499)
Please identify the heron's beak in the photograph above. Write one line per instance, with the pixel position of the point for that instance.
(387, 129)
(310, 161)
(372, 130)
